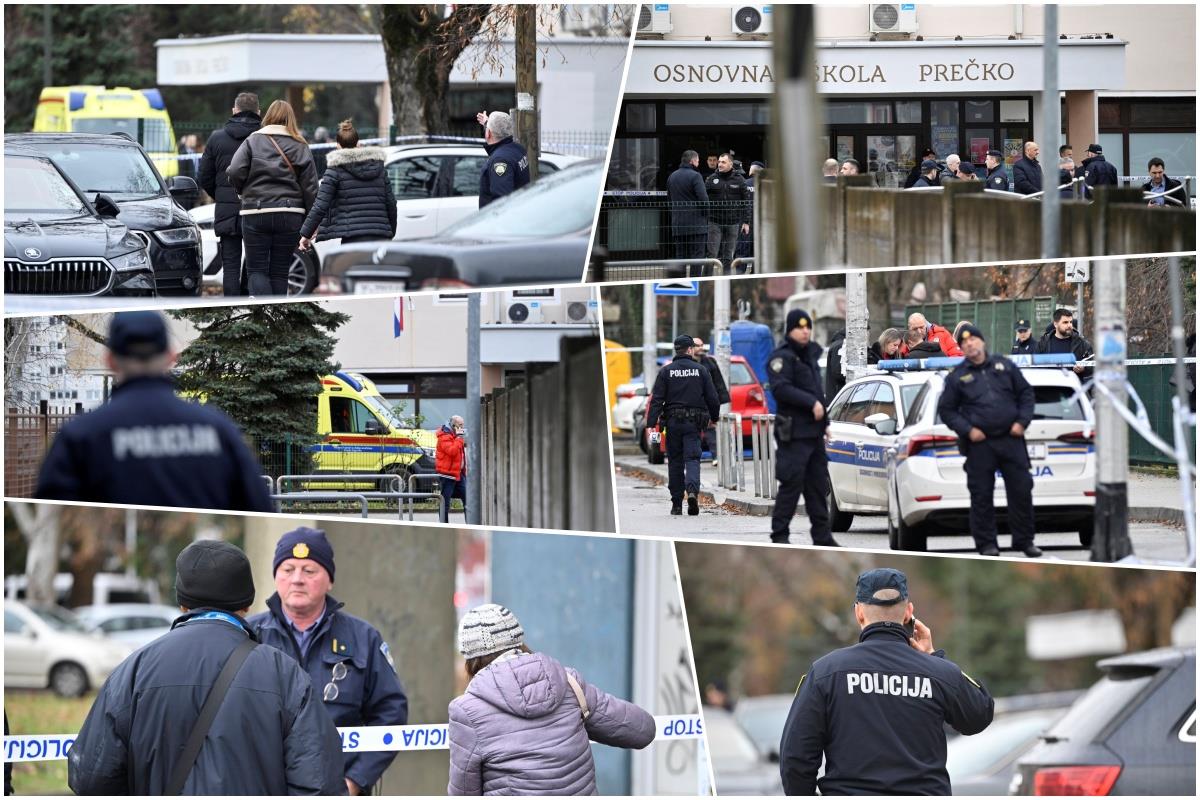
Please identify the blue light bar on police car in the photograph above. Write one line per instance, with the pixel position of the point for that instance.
(950, 362)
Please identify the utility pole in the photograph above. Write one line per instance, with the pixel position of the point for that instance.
(800, 234)
(1110, 541)
(1052, 122)
(722, 346)
(854, 349)
(474, 395)
(649, 335)
(47, 50)
(527, 88)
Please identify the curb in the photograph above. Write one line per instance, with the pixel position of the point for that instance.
(1156, 514)
(754, 507)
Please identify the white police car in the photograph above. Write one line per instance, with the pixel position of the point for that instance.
(891, 455)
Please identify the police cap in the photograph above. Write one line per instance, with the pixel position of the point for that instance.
(967, 168)
(797, 318)
(1095, 148)
(995, 154)
(137, 334)
(927, 165)
(881, 587)
(966, 332)
(1022, 325)
(683, 342)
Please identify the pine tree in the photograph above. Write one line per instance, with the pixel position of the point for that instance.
(262, 366)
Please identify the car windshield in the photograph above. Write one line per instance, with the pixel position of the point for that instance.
(554, 205)
(1006, 738)
(381, 408)
(59, 619)
(33, 185)
(1051, 402)
(1107, 698)
(154, 132)
(739, 374)
(110, 167)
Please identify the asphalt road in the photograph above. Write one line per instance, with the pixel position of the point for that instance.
(643, 509)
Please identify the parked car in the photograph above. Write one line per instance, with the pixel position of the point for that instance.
(134, 624)
(303, 275)
(437, 184)
(739, 768)
(629, 396)
(536, 235)
(763, 718)
(1132, 733)
(107, 587)
(49, 648)
(58, 242)
(117, 166)
(639, 423)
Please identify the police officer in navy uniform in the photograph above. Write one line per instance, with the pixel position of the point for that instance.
(1096, 171)
(686, 400)
(997, 176)
(348, 661)
(507, 167)
(1023, 342)
(875, 710)
(989, 404)
(146, 446)
(800, 425)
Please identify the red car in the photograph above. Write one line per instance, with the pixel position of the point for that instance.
(746, 397)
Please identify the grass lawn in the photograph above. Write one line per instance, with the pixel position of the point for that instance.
(32, 711)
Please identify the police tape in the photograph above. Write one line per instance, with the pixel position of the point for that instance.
(374, 739)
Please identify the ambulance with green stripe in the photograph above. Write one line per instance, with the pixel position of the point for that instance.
(891, 455)
(360, 433)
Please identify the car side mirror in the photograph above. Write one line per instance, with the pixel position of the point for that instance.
(106, 206)
(183, 187)
(881, 424)
(773, 756)
(374, 428)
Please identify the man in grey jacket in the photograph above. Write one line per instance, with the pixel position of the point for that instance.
(271, 735)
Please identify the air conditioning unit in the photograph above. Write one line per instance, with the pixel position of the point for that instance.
(893, 17)
(655, 18)
(527, 312)
(751, 19)
(583, 312)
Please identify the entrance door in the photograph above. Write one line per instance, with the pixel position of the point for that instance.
(887, 156)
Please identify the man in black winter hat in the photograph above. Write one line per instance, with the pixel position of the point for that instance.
(801, 465)
(270, 734)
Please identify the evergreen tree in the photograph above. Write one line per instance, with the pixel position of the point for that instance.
(262, 366)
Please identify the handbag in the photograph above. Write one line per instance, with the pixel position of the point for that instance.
(212, 704)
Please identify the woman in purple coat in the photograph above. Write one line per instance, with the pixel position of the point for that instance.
(524, 724)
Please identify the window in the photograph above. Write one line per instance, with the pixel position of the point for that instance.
(740, 375)
(640, 117)
(1050, 402)
(980, 111)
(13, 623)
(1178, 150)
(717, 113)
(416, 178)
(908, 112)
(465, 182)
(884, 402)
(908, 396)
(915, 404)
(633, 165)
(857, 407)
(347, 415)
(877, 112)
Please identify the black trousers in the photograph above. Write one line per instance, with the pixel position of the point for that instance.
(802, 467)
(233, 280)
(691, 243)
(271, 242)
(1008, 456)
(450, 490)
(683, 458)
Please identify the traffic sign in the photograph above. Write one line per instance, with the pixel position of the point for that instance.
(677, 288)
(1078, 271)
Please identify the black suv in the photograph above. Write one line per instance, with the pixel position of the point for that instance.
(1133, 733)
(116, 165)
(57, 242)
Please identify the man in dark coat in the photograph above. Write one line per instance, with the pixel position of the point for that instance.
(1027, 172)
(689, 211)
(271, 735)
(729, 216)
(507, 166)
(1161, 183)
(1063, 338)
(1096, 171)
(218, 152)
(997, 176)
(834, 379)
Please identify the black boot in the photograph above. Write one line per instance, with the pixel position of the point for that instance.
(1032, 551)
(780, 538)
(989, 550)
(693, 505)
(676, 508)
(829, 542)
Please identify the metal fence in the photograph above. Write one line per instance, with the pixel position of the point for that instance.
(635, 226)
(27, 437)
(1154, 384)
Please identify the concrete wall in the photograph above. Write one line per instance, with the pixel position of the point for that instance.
(546, 460)
(401, 580)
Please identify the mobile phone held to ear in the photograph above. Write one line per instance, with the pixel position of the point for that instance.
(911, 626)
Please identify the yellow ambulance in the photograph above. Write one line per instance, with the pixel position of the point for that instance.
(361, 433)
(139, 113)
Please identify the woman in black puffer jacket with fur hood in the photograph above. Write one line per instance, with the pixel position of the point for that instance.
(355, 202)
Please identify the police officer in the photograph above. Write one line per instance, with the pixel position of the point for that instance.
(875, 710)
(1096, 171)
(997, 177)
(507, 167)
(1023, 343)
(800, 426)
(348, 660)
(686, 400)
(146, 446)
(989, 404)
(929, 174)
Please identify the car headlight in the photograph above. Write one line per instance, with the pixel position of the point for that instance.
(174, 236)
(129, 262)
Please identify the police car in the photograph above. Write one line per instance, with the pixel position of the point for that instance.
(892, 455)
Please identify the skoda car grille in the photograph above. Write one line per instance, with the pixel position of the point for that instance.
(61, 276)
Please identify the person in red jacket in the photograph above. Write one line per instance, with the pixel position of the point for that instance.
(934, 333)
(452, 464)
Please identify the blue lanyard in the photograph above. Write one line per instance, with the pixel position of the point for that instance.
(224, 616)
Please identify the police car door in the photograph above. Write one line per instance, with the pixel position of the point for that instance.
(869, 456)
(846, 426)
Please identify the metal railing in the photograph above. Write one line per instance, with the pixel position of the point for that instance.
(762, 444)
(404, 499)
(320, 497)
(731, 463)
(658, 269)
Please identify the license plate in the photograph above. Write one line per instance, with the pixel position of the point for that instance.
(378, 287)
(1037, 451)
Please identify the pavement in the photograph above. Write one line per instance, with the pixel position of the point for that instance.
(643, 505)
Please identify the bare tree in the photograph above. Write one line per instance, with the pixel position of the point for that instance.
(39, 525)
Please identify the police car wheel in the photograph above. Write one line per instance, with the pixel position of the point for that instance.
(68, 680)
(910, 537)
(1086, 532)
(839, 521)
(893, 534)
